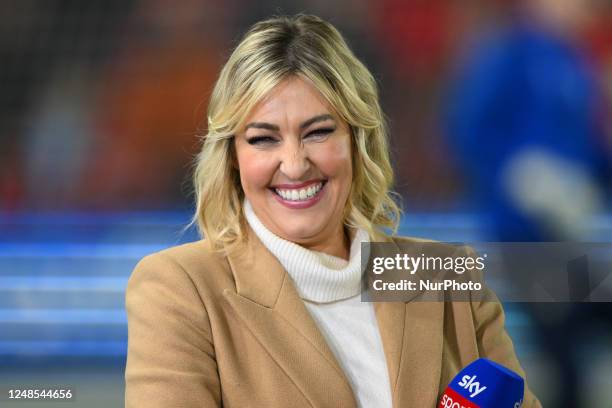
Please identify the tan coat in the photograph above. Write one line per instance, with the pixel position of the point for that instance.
(207, 330)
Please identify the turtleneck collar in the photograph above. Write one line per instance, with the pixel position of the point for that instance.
(318, 277)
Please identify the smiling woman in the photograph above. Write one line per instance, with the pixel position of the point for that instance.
(265, 311)
(296, 155)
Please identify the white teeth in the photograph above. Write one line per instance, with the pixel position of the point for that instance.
(301, 194)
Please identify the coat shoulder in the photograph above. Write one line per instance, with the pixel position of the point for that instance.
(208, 270)
(436, 247)
(409, 239)
(191, 255)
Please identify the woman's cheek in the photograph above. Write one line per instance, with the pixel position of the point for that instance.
(337, 158)
(262, 169)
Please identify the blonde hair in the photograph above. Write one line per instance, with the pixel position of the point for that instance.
(271, 51)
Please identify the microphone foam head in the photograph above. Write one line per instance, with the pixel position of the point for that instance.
(487, 384)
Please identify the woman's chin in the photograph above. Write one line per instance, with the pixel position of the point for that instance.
(301, 234)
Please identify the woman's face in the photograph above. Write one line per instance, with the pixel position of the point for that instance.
(294, 158)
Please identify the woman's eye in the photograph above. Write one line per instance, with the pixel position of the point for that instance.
(258, 140)
(319, 133)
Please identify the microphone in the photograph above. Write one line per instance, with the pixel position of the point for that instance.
(484, 384)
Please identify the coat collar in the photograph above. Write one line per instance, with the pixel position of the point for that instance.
(269, 305)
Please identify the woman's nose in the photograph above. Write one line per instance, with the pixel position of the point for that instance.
(294, 161)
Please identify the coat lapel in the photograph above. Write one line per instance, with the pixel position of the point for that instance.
(391, 317)
(412, 333)
(269, 305)
(421, 363)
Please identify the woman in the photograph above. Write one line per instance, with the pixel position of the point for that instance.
(265, 312)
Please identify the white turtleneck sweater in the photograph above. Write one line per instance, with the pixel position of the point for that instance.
(330, 287)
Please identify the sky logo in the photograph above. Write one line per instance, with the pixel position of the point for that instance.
(470, 384)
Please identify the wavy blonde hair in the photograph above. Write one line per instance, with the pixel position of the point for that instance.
(271, 51)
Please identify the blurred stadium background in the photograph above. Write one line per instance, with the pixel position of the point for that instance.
(499, 115)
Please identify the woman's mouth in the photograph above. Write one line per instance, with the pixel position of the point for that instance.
(298, 198)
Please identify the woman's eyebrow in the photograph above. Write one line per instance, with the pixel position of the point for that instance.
(262, 125)
(303, 125)
(318, 118)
